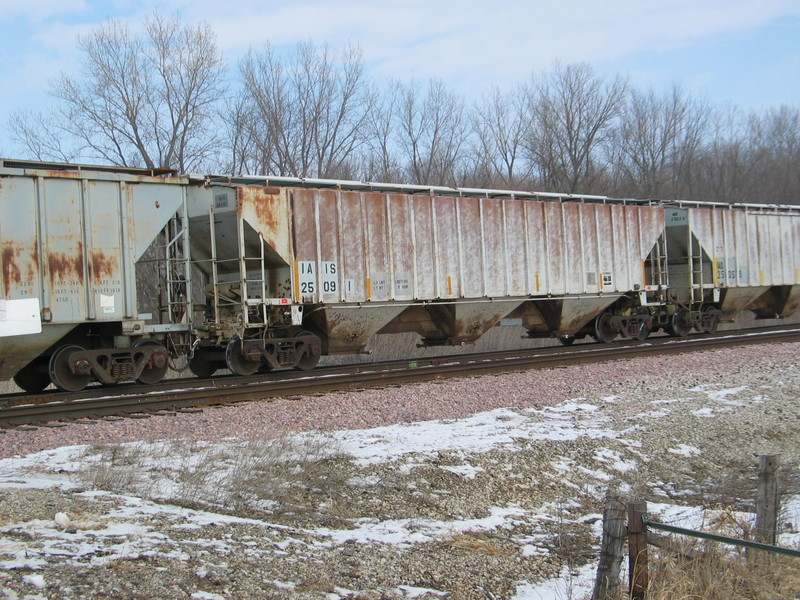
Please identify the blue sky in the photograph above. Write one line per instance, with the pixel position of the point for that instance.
(739, 52)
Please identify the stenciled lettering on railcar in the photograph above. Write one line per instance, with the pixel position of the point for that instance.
(330, 277)
(677, 216)
(727, 271)
(24, 288)
(65, 291)
(378, 284)
(307, 271)
(108, 287)
(402, 284)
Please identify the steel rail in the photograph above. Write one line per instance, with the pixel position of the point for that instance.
(183, 394)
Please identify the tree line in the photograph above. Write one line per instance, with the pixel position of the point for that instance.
(166, 98)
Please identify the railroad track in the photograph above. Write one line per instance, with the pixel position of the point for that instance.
(56, 408)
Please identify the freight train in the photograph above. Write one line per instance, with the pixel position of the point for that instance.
(114, 274)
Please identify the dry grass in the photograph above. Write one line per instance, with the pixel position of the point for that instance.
(254, 475)
(684, 568)
(711, 573)
(479, 543)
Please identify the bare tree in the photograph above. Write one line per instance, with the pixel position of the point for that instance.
(722, 169)
(657, 134)
(501, 124)
(431, 129)
(380, 161)
(573, 111)
(244, 151)
(308, 115)
(33, 132)
(777, 136)
(142, 100)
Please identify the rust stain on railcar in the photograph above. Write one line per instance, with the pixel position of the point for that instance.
(33, 268)
(265, 208)
(102, 266)
(66, 267)
(11, 271)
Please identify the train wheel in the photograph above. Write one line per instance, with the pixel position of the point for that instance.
(681, 324)
(33, 378)
(237, 362)
(566, 340)
(60, 373)
(157, 366)
(710, 319)
(200, 364)
(308, 360)
(643, 333)
(603, 332)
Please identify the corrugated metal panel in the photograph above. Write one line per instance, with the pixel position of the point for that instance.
(62, 242)
(20, 238)
(424, 281)
(788, 250)
(401, 230)
(748, 248)
(72, 238)
(266, 209)
(356, 246)
(376, 247)
(518, 272)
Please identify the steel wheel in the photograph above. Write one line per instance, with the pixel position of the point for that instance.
(710, 319)
(33, 378)
(603, 332)
(681, 324)
(643, 332)
(60, 373)
(237, 362)
(308, 360)
(200, 364)
(566, 340)
(157, 366)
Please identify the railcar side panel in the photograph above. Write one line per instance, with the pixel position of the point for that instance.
(551, 225)
(425, 283)
(518, 271)
(379, 247)
(401, 230)
(473, 277)
(20, 239)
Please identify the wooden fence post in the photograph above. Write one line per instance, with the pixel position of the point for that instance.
(606, 582)
(637, 550)
(767, 500)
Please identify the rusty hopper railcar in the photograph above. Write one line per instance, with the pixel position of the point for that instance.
(71, 237)
(299, 268)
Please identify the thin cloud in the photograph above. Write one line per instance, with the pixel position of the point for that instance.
(14, 10)
(470, 44)
(485, 42)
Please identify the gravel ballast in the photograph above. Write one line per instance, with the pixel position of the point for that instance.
(475, 520)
